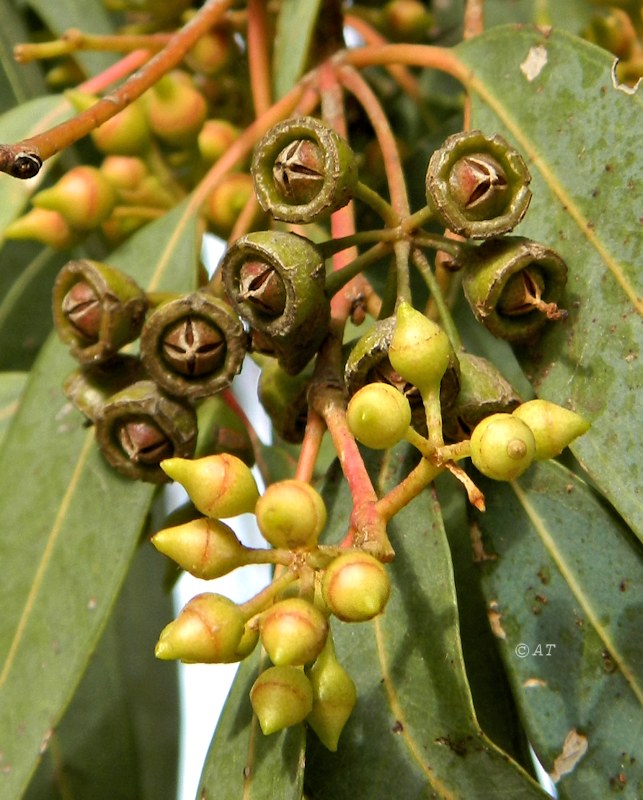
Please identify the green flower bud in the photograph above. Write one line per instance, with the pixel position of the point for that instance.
(378, 415)
(208, 630)
(478, 185)
(334, 697)
(97, 309)
(175, 109)
(303, 170)
(293, 631)
(127, 133)
(553, 426)
(502, 447)
(140, 426)
(212, 52)
(227, 200)
(420, 350)
(47, 227)
(206, 548)
(406, 20)
(281, 697)
(83, 196)
(512, 285)
(356, 587)
(220, 486)
(193, 345)
(291, 514)
(125, 173)
(285, 399)
(275, 280)
(215, 137)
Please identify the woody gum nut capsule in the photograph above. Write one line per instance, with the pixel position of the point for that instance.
(193, 345)
(140, 426)
(281, 697)
(83, 196)
(420, 350)
(275, 280)
(303, 170)
(502, 447)
(291, 514)
(220, 486)
(208, 630)
(293, 631)
(553, 426)
(356, 587)
(334, 697)
(97, 309)
(90, 387)
(378, 415)
(513, 286)
(478, 185)
(206, 548)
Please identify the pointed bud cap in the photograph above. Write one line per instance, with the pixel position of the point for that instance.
(83, 196)
(220, 486)
(356, 587)
(334, 697)
(553, 426)
(378, 415)
(41, 225)
(293, 631)
(502, 447)
(281, 697)
(206, 548)
(291, 514)
(419, 350)
(208, 630)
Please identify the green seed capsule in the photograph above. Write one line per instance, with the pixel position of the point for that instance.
(378, 415)
(356, 587)
(502, 447)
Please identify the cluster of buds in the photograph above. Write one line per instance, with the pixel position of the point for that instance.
(291, 617)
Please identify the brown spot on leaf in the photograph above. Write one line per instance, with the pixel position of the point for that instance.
(574, 748)
(495, 618)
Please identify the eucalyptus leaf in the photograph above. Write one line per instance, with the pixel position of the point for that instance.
(295, 30)
(413, 732)
(562, 578)
(70, 527)
(18, 82)
(242, 762)
(12, 385)
(553, 97)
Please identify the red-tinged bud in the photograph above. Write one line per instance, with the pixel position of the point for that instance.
(215, 137)
(126, 133)
(176, 110)
(334, 697)
(356, 587)
(291, 514)
(124, 172)
(293, 631)
(553, 426)
(227, 200)
(83, 196)
(281, 697)
(47, 227)
(220, 486)
(206, 548)
(212, 52)
(208, 630)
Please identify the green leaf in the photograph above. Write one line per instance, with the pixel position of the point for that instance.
(570, 15)
(242, 762)
(413, 732)
(70, 526)
(295, 29)
(18, 82)
(12, 385)
(125, 711)
(563, 583)
(552, 96)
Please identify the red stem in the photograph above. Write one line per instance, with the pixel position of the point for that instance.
(259, 56)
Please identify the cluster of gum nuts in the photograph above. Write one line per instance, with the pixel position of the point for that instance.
(313, 581)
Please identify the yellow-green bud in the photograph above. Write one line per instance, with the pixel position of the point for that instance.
(502, 447)
(44, 226)
(293, 631)
(291, 514)
(356, 587)
(281, 697)
(220, 486)
(83, 196)
(206, 548)
(419, 350)
(208, 630)
(553, 426)
(334, 697)
(378, 415)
